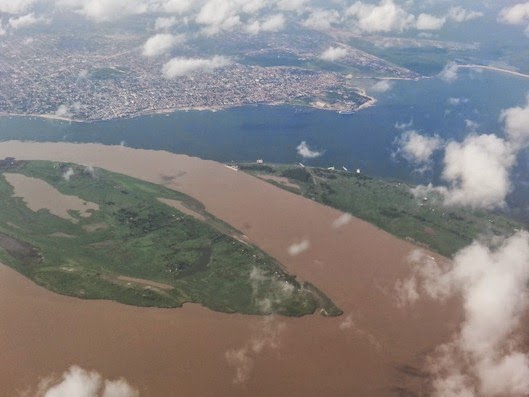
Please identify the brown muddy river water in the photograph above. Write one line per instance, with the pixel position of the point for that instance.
(371, 350)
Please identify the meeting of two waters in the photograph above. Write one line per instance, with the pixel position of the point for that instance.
(161, 351)
(365, 139)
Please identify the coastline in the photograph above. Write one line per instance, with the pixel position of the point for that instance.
(44, 116)
(317, 104)
(494, 69)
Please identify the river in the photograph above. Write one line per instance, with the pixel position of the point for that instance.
(371, 350)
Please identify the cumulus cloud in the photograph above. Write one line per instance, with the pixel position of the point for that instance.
(404, 126)
(68, 174)
(268, 337)
(429, 22)
(456, 101)
(384, 17)
(342, 220)
(304, 151)
(107, 10)
(163, 23)
(176, 6)
(25, 21)
(269, 291)
(321, 19)
(297, 248)
(471, 125)
(292, 5)
(418, 148)
(382, 86)
(178, 67)
(349, 325)
(387, 16)
(15, 6)
(332, 54)
(90, 170)
(219, 15)
(63, 111)
(449, 73)
(516, 122)
(478, 169)
(517, 14)
(273, 23)
(82, 383)
(160, 44)
(484, 358)
(460, 14)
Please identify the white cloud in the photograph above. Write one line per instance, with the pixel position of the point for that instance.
(2, 30)
(456, 101)
(406, 291)
(404, 126)
(418, 148)
(471, 125)
(178, 67)
(220, 15)
(68, 174)
(63, 111)
(273, 23)
(460, 14)
(477, 170)
(25, 20)
(107, 10)
(160, 44)
(517, 14)
(382, 86)
(342, 220)
(305, 152)
(388, 16)
(297, 248)
(81, 383)
(15, 6)
(332, 54)
(163, 23)
(176, 6)
(267, 338)
(484, 356)
(449, 73)
(429, 22)
(292, 5)
(516, 122)
(384, 17)
(321, 19)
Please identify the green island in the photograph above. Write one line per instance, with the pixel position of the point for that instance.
(94, 234)
(390, 205)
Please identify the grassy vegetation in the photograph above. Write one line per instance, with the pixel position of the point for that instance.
(391, 206)
(140, 251)
(107, 74)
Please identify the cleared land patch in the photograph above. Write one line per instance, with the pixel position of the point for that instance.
(181, 207)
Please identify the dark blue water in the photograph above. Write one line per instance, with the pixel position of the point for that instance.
(363, 140)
